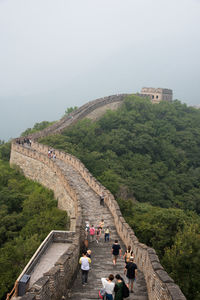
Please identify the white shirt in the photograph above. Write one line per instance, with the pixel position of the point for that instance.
(85, 261)
(108, 286)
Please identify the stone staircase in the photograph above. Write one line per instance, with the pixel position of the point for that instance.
(101, 257)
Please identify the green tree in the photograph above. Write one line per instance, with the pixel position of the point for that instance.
(182, 260)
(69, 110)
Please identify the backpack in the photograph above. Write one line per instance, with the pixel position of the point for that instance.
(128, 255)
(102, 293)
(125, 291)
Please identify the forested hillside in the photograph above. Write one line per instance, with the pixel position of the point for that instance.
(148, 156)
(28, 212)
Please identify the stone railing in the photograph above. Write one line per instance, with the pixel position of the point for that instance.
(160, 285)
(56, 282)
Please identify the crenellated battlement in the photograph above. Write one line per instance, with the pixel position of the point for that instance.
(160, 286)
(57, 176)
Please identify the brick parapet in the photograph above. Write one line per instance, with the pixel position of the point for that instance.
(160, 285)
(77, 115)
(57, 281)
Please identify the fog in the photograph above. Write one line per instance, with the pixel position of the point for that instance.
(58, 54)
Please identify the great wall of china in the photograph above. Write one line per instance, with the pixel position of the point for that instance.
(76, 189)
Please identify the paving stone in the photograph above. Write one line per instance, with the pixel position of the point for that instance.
(101, 257)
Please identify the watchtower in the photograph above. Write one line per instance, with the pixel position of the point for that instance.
(157, 95)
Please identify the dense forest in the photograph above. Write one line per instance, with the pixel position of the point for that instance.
(148, 156)
(28, 212)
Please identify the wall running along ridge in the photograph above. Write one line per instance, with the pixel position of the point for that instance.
(57, 281)
(92, 110)
(160, 286)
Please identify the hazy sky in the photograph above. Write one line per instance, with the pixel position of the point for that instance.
(60, 53)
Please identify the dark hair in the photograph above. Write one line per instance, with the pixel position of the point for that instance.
(118, 276)
(129, 248)
(84, 252)
(111, 277)
(116, 241)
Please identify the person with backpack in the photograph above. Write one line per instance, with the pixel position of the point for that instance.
(128, 253)
(118, 289)
(92, 233)
(108, 286)
(121, 290)
(131, 273)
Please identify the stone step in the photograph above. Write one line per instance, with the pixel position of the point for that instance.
(101, 256)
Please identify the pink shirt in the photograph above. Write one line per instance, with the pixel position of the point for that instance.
(92, 231)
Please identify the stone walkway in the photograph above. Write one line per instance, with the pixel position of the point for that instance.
(101, 253)
(47, 260)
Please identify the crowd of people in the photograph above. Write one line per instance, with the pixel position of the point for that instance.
(93, 234)
(24, 141)
(113, 286)
(51, 154)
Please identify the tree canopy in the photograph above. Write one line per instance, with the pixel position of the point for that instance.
(28, 212)
(148, 157)
(37, 127)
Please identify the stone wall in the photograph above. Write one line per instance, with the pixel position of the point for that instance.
(82, 112)
(55, 236)
(160, 285)
(55, 283)
(41, 169)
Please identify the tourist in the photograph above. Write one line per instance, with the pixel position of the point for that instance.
(107, 234)
(87, 229)
(118, 289)
(108, 285)
(98, 233)
(116, 251)
(92, 233)
(101, 224)
(88, 254)
(128, 253)
(102, 199)
(85, 266)
(131, 273)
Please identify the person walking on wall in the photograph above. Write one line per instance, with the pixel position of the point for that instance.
(131, 273)
(85, 266)
(118, 289)
(108, 285)
(92, 233)
(128, 253)
(116, 251)
(102, 199)
(101, 224)
(98, 233)
(107, 234)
